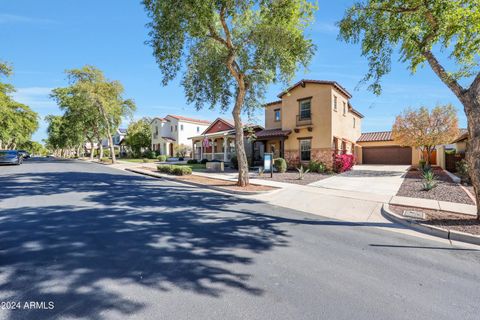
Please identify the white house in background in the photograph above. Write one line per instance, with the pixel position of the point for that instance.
(118, 142)
(172, 130)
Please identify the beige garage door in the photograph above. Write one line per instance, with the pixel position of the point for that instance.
(387, 155)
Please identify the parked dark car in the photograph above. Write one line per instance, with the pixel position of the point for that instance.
(10, 157)
(24, 154)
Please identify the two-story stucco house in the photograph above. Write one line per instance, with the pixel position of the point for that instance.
(313, 120)
(172, 131)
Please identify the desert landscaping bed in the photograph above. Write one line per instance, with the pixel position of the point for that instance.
(292, 177)
(446, 190)
(224, 184)
(444, 219)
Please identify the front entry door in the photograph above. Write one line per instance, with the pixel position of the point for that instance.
(171, 149)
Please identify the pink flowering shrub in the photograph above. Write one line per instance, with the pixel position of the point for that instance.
(343, 162)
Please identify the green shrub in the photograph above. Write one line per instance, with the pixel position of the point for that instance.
(106, 153)
(145, 160)
(165, 168)
(204, 161)
(316, 166)
(280, 164)
(429, 180)
(463, 170)
(192, 161)
(181, 170)
(106, 159)
(151, 155)
(162, 158)
(234, 162)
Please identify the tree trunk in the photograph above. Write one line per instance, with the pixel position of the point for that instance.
(112, 148)
(92, 150)
(472, 110)
(100, 149)
(239, 146)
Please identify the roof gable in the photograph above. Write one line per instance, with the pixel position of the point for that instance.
(219, 125)
(304, 82)
(182, 118)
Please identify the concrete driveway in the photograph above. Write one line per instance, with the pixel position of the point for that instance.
(377, 179)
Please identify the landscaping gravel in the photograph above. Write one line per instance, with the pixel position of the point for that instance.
(446, 190)
(443, 219)
(292, 177)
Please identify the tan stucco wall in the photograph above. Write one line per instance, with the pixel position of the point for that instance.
(342, 124)
(461, 146)
(270, 122)
(320, 107)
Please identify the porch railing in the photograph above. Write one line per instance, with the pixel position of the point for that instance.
(216, 156)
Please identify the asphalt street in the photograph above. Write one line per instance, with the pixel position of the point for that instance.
(85, 241)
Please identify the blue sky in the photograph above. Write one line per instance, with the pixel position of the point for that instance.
(44, 38)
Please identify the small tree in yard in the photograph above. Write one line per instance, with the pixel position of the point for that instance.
(181, 150)
(423, 32)
(425, 130)
(232, 49)
(139, 136)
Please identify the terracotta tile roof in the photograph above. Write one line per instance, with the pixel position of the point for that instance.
(270, 133)
(376, 136)
(272, 103)
(305, 81)
(189, 119)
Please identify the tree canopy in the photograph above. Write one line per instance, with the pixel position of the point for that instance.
(231, 49)
(17, 121)
(139, 136)
(417, 28)
(93, 106)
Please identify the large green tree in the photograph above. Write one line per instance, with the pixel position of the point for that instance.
(17, 121)
(445, 34)
(139, 135)
(94, 103)
(232, 50)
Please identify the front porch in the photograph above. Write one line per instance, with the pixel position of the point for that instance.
(220, 146)
(269, 141)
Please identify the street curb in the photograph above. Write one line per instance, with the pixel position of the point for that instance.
(194, 184)
(428, 229)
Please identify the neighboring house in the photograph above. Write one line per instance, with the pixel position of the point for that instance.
(313, 120)
(217, 141)
(118, 140)
(172, 131)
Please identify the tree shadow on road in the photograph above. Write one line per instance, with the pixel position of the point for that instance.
(121, 238)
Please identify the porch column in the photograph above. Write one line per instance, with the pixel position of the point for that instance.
(201, 151)
(282, 145)
(225, 142)
(193, 149)
(213, 149)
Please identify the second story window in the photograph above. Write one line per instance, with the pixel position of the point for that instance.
(176, 128)
(344, 109)
(305, 109)
(171, 129)
(198, 129)
(156, 130)
(354, 122)
(181, 127)
(334, 103)
(277, 114)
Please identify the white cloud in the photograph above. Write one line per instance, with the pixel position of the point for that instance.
(13, 18)
(34, 97)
